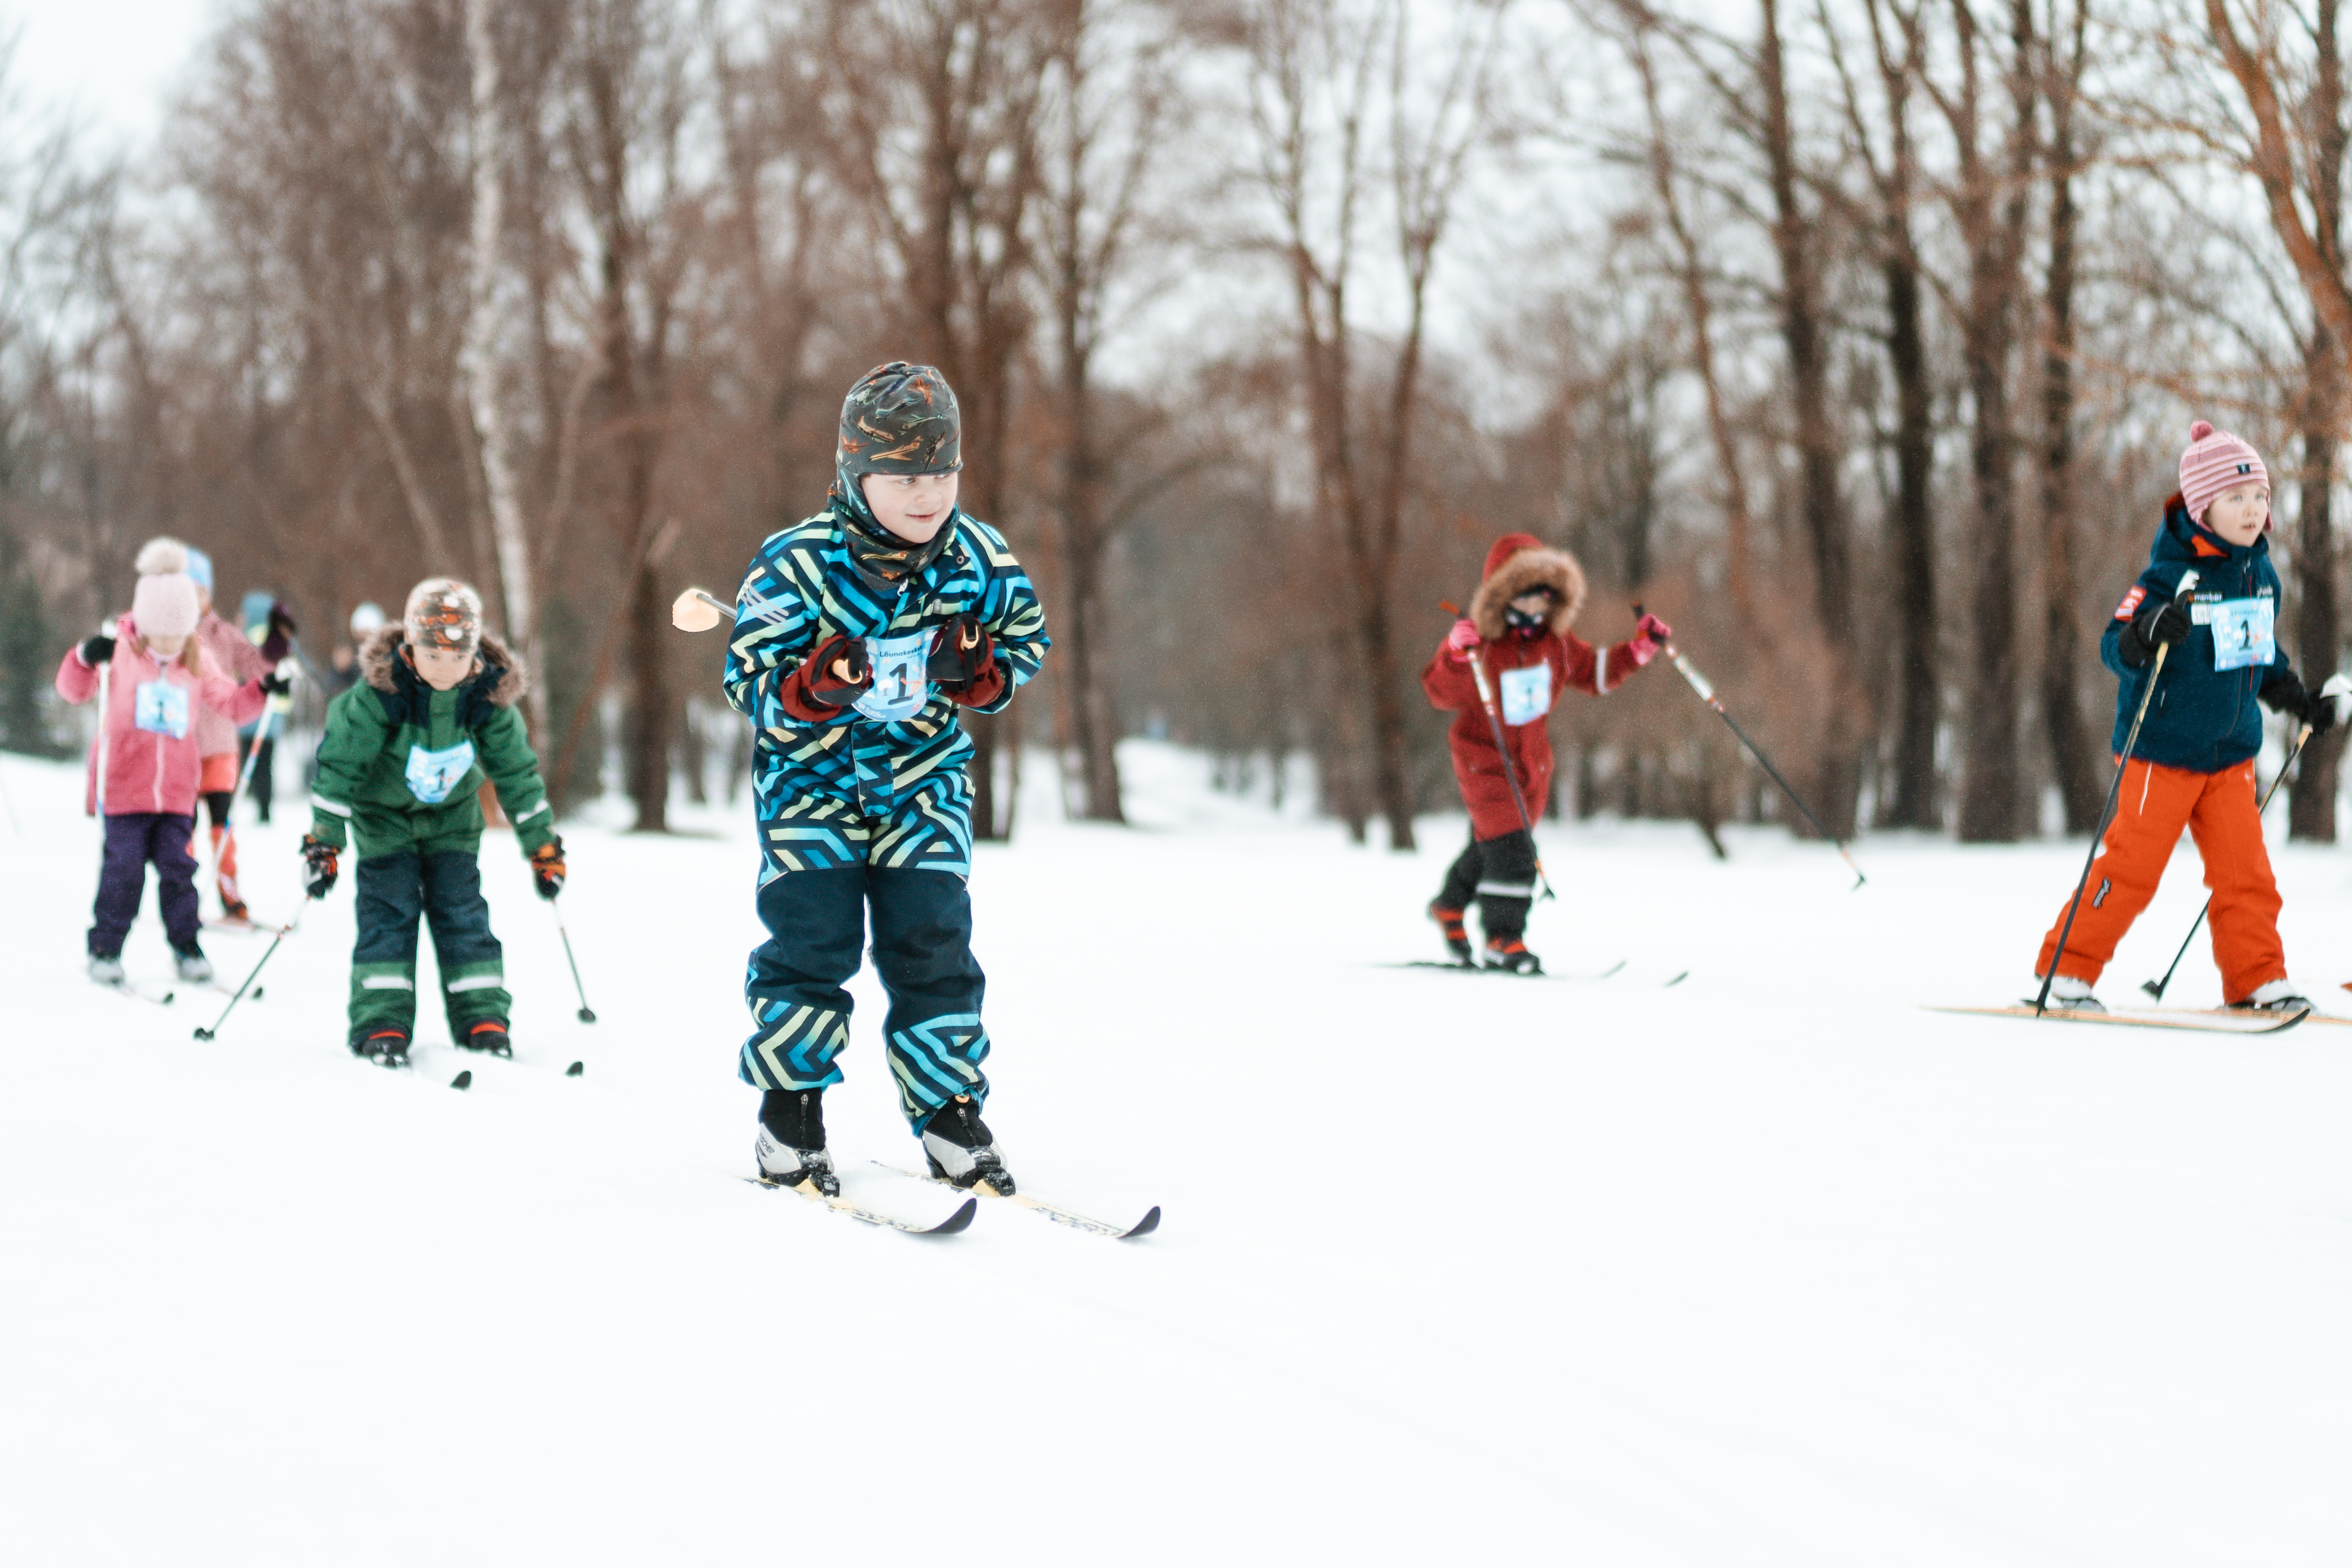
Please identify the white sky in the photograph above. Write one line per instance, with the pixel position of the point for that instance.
(112, 60)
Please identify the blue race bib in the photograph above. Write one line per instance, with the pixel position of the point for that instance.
(2245, 632)
(433, 774)
(1527, 694)
(902, 683)
(161, 709)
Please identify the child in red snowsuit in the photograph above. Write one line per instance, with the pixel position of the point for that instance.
(1516, 631)
(2193, 764)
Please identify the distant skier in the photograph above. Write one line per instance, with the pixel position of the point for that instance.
(402, 765)
(147, 767)
(1518, 630)
(858, 635)
(236, 656)
(2193, 766)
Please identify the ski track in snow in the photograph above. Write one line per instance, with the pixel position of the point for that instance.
(1771, 1267)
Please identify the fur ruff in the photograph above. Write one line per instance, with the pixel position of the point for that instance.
(161, 556)
(378, 652)
(1555, 569)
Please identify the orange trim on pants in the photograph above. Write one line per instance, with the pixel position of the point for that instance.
(2222, 813)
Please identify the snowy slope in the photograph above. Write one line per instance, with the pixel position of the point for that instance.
(1771, 1267)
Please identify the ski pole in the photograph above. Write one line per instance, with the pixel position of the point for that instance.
(2336, 685)
(1510, 772)
(204, 1034)
(1705, 690)
(587, 1014)
(2108, 812)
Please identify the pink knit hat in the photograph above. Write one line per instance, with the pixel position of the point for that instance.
(2215, 461)
(164, 606)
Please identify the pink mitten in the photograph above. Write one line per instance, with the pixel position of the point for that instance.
(1461, 640)
(1650, 635)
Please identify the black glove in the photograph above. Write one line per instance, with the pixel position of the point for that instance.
(319, 858)
(2283, 691)
(2159, 622)
(94, 651)
(961, 653)
(280, 635)
(547, 867)
(275, 685)
(837, 673)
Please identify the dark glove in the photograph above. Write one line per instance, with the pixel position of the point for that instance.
(94, 651)
(319, 857)
(281, 634)
(275, 685)
(2283, 691)
(2159, 624)
(547, 867)
(960, 654)
(836, 672)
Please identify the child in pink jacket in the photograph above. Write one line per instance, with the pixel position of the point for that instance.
(149, 764)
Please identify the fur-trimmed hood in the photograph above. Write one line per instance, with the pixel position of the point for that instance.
(379, 667)
(1532, 565)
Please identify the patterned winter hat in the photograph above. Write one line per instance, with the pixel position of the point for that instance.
(900, 418)
(2214, 461)
(443, 616)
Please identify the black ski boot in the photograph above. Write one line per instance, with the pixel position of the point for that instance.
(1457, 939)
(490, 1036)
(385, 1047)
(1509, 953)
(791, 1145)
(961, 1150)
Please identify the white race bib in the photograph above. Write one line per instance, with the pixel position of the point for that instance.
(2245, 632)
(433, 774)
(1527, 694)
(161, 709)
(902, 683)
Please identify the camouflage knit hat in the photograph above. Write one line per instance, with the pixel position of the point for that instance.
(444, 616)
(900, 418)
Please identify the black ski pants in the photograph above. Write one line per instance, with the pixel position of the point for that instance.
(1500, 873)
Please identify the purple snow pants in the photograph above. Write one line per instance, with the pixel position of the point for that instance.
(131, 840)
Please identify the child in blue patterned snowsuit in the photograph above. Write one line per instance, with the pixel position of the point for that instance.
(858, 634)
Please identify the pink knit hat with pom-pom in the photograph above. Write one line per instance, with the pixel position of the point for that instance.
(2214, 461)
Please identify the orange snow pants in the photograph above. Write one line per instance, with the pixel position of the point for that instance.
(2219, 812)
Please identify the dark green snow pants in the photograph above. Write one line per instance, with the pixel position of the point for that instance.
(445, 887)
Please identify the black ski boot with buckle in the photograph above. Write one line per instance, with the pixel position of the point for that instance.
(791, 1145)
(961, 1150)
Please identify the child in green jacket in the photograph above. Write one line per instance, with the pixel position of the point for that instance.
(403, 759)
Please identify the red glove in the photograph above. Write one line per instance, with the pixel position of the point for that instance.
(1461, 640)
(1650, 635)
(828, 680)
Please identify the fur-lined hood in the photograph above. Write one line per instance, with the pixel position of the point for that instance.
(1535, 566)
(377, 657)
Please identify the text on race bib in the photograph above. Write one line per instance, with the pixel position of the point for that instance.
(433, 774)
(901, 682)
(161, 708)
(1527, 694)
(2245, 632)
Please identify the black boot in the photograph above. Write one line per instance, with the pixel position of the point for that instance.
(385, 1047)
(490, 1035)
(962, 1150)
(1457, 939)
(791, 1145)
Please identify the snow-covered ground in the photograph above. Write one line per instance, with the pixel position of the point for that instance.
(1772, 1267)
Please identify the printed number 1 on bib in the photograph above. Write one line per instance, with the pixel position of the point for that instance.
(2245, 632)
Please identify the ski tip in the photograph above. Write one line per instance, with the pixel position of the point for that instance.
(1611, 970)
(575, 1069)
(167, 999)
(1145, 1225)
(956, 1223)
(464, 1079)
(587, 1014)
(1677, 980)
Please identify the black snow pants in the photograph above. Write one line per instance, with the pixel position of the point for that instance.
(1500, 873)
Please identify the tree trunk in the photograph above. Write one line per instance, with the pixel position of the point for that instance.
(1921, 695)
(2319, 633)
(2081, 782)
(481, 356)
